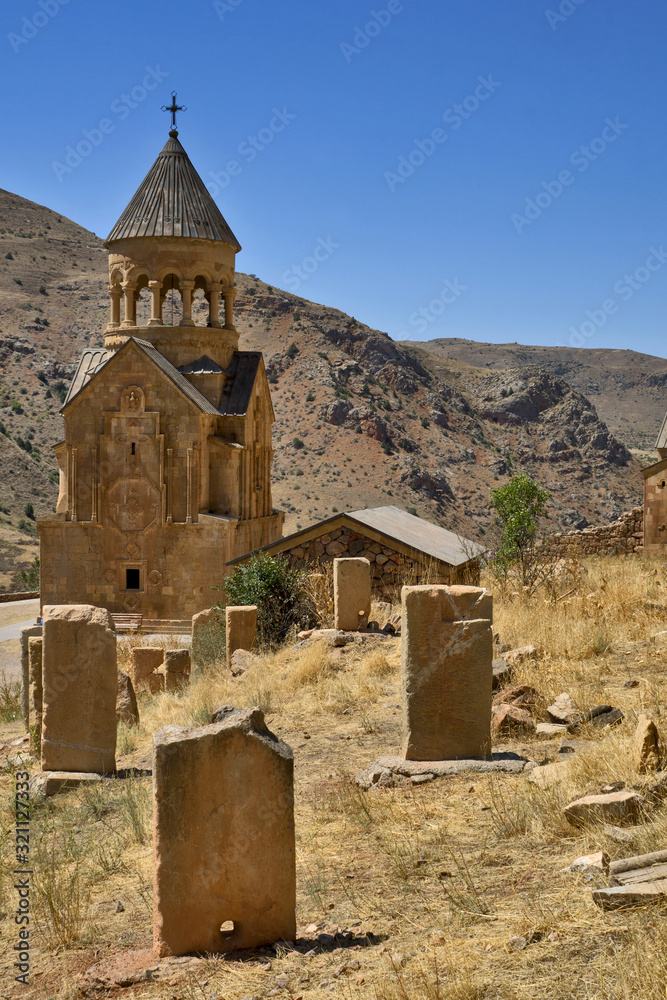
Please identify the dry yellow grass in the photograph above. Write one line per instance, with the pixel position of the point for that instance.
(443, 875)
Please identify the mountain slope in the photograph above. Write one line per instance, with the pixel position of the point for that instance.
(361, 420)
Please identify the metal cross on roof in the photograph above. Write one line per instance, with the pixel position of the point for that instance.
(173, 108)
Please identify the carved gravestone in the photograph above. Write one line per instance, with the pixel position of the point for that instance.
(352, 593)
(446, 665)
(224, 848)
(80, 683)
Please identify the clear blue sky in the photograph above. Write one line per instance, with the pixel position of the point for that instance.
(358, 86)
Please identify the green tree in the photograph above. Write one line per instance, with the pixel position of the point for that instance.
(519, 505)
(278, 590)
(30, 577)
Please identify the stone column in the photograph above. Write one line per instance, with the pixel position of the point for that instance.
(187, 287)
(129, 304)
(229, 294)
(446, 665)
(214, 303)
(114, 301)
(80, 683)
(156, 303)
(241, 629)
(352, 593)
(224, 846)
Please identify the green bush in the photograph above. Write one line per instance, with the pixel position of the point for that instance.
(519, 505)
(280, 593)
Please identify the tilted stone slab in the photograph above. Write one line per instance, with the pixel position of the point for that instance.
(616, 807)
(80, 685)
(224, 847)
(624, 896)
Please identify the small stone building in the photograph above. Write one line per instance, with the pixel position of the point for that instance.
(165, 468)
(655, 499)
(400, 547)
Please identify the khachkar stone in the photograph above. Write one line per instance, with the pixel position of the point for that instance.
(241, 629)
(446, 665)
(224, 847)
(352, 593)
(80, 683)
(27, 633)
(35, 688)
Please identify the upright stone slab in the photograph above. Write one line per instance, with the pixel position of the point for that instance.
(352, 593)
(80, 683)
(176, 668)
(145, 659)
(207, 637)
(241, 629)
(35, 688)
(27, 633)
(446, 664)
(224, 848)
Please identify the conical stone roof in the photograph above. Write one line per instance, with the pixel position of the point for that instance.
(172, 200)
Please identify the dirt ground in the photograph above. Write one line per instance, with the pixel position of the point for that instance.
(455, 889)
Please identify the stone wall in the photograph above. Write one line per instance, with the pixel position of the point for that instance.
(389, 568)
(622, 537)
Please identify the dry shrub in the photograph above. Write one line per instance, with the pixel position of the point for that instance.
(320, 590)
(376, 664)
(435, 976)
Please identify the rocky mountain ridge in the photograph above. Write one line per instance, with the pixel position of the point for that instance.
(361, 420)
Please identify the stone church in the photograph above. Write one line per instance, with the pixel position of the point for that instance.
(165, 469)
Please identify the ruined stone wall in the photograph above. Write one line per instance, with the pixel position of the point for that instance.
(389, 568)
(622, 537)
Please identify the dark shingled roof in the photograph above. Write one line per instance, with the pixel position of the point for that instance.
(238, 391)
(172, 200)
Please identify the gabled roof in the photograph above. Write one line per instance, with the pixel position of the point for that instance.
(85, 374)
(92, 360)
(394, 524)
(172, 200)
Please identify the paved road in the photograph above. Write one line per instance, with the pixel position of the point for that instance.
(14, 631)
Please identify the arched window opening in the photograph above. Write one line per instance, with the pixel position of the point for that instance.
(199, 308)
(172, 304)
(143, 302)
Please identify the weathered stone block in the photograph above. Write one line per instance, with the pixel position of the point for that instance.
(80, 684)
(176, 668)
(447, 676)
(35, 687)
(31, 631)
(145, 659)
(127, 709)
(352, 593)
(241, 626)
(617, 807)
(224, 846)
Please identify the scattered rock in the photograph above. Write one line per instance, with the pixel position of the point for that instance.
(618, 806)
(563, 709)
(508, 720)
(520, 655)
(549, 729)
(48, 783)
(631, 684)
(589, 864)
(600, 716)
(618, 835)
(646, 745)
(517, 943)
(502, 673)
(119, 908)
(127, 710)
(519, 695)
(221, 713)
(240, 661)
(624, 896)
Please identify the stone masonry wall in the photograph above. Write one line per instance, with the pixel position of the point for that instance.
(389, 569)
(622, 537)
